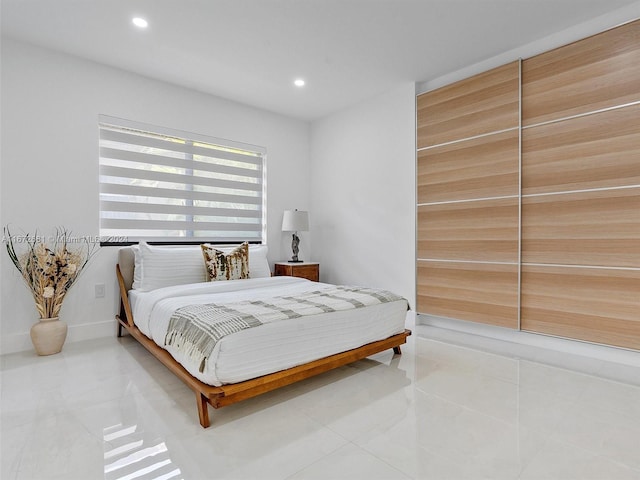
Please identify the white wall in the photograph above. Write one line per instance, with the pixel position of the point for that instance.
(50, 107)
(363, 193)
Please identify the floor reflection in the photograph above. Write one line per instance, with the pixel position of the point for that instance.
(128, 455)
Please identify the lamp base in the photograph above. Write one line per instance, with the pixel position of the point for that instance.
(295, 261)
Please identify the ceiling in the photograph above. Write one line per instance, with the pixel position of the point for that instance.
(250, 51)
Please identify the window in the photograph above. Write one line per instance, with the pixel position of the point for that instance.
(163, 185)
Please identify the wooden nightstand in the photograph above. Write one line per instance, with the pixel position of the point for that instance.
(308, 270)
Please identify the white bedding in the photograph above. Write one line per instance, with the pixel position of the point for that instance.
(272, 346)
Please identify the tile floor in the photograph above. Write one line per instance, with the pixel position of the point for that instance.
(453, 406)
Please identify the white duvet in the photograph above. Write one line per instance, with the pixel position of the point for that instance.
(273, 346)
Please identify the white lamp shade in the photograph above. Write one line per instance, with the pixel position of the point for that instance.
(295, 221)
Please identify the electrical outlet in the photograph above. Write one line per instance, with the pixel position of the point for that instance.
(99, 290)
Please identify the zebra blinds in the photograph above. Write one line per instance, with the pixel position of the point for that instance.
(158, 184)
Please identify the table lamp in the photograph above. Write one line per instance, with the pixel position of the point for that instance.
(295, 221)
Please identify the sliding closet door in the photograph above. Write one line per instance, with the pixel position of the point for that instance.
(581, 189)
(468, 198)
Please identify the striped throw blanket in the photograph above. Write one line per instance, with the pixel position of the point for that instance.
(196, 329)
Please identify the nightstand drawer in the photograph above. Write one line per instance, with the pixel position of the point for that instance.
(310, 271)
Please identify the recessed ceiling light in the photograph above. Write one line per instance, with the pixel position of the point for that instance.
(140, 22)
(299, 82)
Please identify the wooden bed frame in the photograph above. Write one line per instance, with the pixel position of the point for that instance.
(228, 394)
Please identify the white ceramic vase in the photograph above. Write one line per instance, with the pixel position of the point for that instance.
(48, 335)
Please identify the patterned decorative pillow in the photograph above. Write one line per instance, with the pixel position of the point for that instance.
(233, 265)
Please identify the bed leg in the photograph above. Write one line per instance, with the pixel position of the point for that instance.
(397, 350)
(203, 409)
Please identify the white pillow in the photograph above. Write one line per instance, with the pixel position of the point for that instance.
(137, 269)
(258, 263)
(157, 267)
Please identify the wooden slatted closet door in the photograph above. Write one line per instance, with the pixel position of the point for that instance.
(581, 189)
(468, 198)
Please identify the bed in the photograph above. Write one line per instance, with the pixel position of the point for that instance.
(308, 328)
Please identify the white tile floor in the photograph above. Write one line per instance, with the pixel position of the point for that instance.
(453, 406)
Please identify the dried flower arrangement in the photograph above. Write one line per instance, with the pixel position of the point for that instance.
(50, 270)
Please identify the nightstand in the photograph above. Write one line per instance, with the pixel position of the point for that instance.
(308, 270)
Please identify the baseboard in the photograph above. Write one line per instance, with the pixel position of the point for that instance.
(575, 347)
(21, 342)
